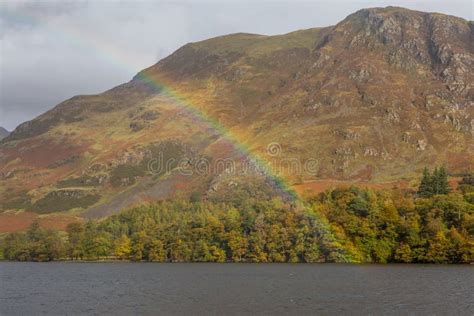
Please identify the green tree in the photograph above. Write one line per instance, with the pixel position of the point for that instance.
(466, 185)
(441, 184)
(53, 246)
(180, 251)
(201, 252)
(341, 225)
(75, 233)
(426, 185)
(96, 242)
(15, 247)
(35, 234)
(311, 252)
(257, 243)
(139, 241)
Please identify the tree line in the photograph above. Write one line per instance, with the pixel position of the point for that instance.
(340, 225)
(434, 183)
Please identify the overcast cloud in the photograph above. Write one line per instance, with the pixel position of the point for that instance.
(53, 50)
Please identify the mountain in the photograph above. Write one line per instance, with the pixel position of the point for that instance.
(3, 133)
(373, 99)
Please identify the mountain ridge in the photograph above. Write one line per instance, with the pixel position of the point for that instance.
(374, 98)
(3, 133)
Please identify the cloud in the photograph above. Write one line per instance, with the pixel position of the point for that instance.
(52, 50)
(28, 14)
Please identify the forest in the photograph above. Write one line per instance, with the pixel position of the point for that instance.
(434, 224)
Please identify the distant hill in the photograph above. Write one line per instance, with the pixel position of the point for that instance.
(3, 133)
(375, 98)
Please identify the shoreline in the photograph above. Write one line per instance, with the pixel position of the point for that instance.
(246, 263)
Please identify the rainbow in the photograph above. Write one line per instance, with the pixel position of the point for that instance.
(91, 41)
(263, 165)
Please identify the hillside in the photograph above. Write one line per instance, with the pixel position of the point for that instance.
(3, 133)
(373, 99)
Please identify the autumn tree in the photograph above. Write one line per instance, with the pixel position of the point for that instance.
(340, 225)
(122, 247)
(75, 233)
(156, 250)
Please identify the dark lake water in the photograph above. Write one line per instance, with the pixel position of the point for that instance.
(323, 289)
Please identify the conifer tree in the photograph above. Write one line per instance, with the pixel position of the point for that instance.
(442, 184)
(435, 182)
(426, 185)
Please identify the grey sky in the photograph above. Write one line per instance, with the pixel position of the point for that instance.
(52, 50)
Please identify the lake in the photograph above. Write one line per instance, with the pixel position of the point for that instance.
(151, 288)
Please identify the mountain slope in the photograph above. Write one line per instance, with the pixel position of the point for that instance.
(3, 133)
(374, 98)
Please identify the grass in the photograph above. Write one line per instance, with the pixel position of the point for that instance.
(126, 174)
(21, 201)
(56, 201)
(85, 181)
